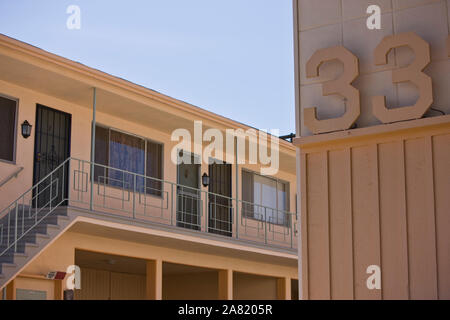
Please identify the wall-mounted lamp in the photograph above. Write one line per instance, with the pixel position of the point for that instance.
(26, 129)
(205, 180)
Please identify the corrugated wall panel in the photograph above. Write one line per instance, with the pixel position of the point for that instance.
(341, 237)
(393, 222)
(318, 233)
(366, 229)
(304, 229)
(421, 221)
(441, 157)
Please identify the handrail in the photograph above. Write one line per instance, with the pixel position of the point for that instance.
(177, 185)
(12, 175)
(35, 186)
(256, 222)
(15, 213)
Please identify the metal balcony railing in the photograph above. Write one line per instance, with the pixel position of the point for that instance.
(145, 199)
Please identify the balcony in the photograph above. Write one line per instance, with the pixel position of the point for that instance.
(151, 202)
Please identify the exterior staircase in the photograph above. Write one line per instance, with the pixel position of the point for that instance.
(26, 230)
(16, 255)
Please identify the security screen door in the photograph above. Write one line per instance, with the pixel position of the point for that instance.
(188, 194)
(51, 148)
(219, 199)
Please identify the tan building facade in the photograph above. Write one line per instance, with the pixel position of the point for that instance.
(137, 224)
(373, 158)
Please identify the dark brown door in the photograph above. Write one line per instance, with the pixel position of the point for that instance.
(51, 148)
(220, 203)
(188, 195)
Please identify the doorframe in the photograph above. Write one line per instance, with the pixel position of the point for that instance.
(68, 139)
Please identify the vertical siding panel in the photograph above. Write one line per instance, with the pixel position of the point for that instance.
(341, 247)
(394, 245)
(304, 227)
(95, 285)
(127, 286)
(318, 233)
(441, 151)
(421, 219)
(366, 228)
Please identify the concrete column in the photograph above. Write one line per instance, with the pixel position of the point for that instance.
(284, 289)
(225, 285)
(154, 280)
(11, 290)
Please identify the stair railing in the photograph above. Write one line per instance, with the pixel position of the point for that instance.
(12, 175)
(32, 207)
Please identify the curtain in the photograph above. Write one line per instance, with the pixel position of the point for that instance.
(154, 168)
(265, 194)
(268, 198)
(126, 152)
(101, 154)
(247, 194)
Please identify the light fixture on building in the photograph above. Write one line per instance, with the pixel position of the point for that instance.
(56, 275)
(26, 129)
(205, 180)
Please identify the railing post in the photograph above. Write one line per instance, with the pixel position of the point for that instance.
(207, 211)
(265, 225)
(134, 196)
(51, 193)
(36, 208)
(236, 221)
(171, 204)
(236, 158)
(69, 191)
(15, 228)
(292, 230)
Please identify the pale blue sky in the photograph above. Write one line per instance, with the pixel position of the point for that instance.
(231, 57)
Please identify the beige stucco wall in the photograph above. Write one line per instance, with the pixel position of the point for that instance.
(80, 143)
(191, 286)
(80, 149)
(61, 253)
(329, 23)
(377, 194)
(254, 287)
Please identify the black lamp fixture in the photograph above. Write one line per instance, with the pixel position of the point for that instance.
(26, 129)
(205, 180)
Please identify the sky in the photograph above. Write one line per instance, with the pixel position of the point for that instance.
(231, 57)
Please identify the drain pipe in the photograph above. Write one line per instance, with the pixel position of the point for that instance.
(237, 187)
(94, 106)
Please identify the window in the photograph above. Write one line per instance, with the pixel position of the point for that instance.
(7, 128)
(265, 198)
(128, 153)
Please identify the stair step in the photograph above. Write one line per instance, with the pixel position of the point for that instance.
(42, 236)
(8, 265)
(53, 227)
(31, 245)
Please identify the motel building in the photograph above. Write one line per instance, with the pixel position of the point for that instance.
(136, 214)
(373, 148)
